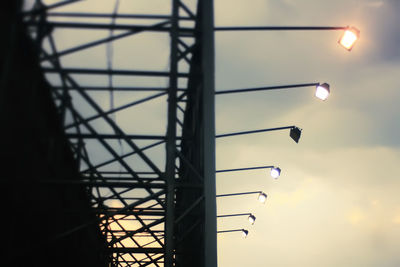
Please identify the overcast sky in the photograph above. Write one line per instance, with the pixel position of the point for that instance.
(336, 202)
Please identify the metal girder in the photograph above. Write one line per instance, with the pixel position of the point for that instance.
(152, 212)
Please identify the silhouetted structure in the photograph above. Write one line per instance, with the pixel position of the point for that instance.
(60, 199)
(37, 163)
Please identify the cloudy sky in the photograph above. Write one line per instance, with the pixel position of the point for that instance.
(336, 202)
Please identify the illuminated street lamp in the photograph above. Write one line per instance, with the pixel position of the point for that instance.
(349, 37)
(322, 91)
(347, 40)
(251, 218)
(261, 195)
(244, 232)
(268, 88)
(275, 171)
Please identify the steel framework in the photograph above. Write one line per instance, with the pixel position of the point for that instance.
(152, 188)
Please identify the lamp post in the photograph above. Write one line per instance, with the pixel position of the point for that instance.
(347, 40)
(245, 232)
(261, 195)
(295, 132)
(318, 89)
(250, 217)
(275, 171)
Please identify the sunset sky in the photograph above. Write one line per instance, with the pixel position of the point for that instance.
(337, 201)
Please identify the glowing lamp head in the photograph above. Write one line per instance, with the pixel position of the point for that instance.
(252, 219)
(349, 38)
(275, 172)
(262, 197)
(245, 233)
(322, 91)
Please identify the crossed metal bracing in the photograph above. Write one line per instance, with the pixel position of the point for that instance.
(127, 91)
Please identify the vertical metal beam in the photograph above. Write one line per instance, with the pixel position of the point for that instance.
(208, 109)
(171, 139)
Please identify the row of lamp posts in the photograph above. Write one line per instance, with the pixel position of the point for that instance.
(322, 91)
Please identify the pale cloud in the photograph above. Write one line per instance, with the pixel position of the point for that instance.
(376, 4)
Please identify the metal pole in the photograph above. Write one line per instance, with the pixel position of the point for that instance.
(255, 131)
(282, 28)
(233, 91)
(210, 236)
(238, 194)
(245, 169)
(171, 140)
(234, 215)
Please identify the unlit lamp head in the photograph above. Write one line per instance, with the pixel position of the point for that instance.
(349, 38)
(262, 197)
(322, 91)
(275, 172)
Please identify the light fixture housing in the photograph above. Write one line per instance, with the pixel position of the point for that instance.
(275, 172)
(349, 38)
(245, 233)
(262, 197)
(295, 134)
(251, 219)
(322, 91)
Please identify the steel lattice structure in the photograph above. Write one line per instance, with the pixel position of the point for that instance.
(151, 181)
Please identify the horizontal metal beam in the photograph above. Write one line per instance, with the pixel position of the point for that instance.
(109, 184)
(136, 250)
(130, 212)
(104, 184)
(101, 26)
(108, 15)
(112, 72)
(115, 136)
(118, 88)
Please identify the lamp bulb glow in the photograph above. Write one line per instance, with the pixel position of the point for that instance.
(349, 38)
(262, 197)
(252, 219)
(322, 91)
(275, 172)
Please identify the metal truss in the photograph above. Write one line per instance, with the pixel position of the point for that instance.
(146, 181)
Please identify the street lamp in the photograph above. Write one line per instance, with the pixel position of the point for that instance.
(246, 90)
(295, 132)
(261, 195)
(322, 91)
(244, 232)
(251, 218)
(349, 37)
(347, 40)
(275, 171)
